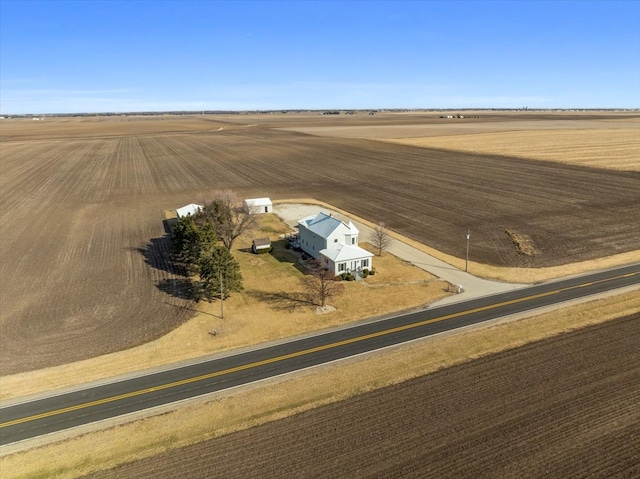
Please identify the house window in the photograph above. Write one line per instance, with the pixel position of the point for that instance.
(365, 263)
(342, 266)
(335, 240)
(353, 241)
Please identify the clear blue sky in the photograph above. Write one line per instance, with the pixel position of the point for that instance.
(93, 56)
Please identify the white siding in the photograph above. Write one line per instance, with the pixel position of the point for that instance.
(334, 242)
(258, 205)
(310, 242)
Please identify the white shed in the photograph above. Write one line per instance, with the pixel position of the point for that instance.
(188, 210)
(261, 245)
(258, 205)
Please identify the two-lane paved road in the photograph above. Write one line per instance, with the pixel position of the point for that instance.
(30, 419)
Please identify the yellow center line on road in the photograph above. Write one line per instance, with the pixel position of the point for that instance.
(296, 354)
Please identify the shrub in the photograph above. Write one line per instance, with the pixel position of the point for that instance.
(372, 272)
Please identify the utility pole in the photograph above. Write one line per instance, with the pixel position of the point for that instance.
(221, 296)
(466, 263)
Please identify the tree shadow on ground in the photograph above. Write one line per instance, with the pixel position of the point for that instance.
(168, 224)
(158, 254)
(285, 255)
(177, 287)
(195, 310)
(282, 301)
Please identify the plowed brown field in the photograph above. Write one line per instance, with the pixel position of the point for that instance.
(563, 407)
(83, 266)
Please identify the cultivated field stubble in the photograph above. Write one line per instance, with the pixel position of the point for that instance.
(84, 248)
(562, 407)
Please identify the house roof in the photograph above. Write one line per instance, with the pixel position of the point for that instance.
(264, 242)
(258, 202)
(190, 209)
(323, 224)
(342, 252)
(304, 221)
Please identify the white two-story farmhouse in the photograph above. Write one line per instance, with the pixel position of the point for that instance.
(334, 243)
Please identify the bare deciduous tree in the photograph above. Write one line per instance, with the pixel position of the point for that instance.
(380, 238)
(230, 219)
(320, 284)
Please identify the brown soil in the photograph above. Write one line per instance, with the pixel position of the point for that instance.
(562, 407)
(83, 266)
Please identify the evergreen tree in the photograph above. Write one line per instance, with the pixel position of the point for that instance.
(192, 239)
(219, 274)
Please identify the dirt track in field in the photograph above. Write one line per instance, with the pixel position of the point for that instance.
(83, 266)
(563, 407)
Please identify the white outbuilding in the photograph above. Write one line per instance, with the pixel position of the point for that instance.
(189, 210)
(258, 205)
(260, 245)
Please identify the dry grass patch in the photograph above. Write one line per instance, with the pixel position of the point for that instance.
(536, 275)
(617, 149)
(225, 414)
(271, 307)
(392, 270)
(523, 243)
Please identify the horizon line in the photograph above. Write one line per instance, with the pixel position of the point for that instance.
(304, 110)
